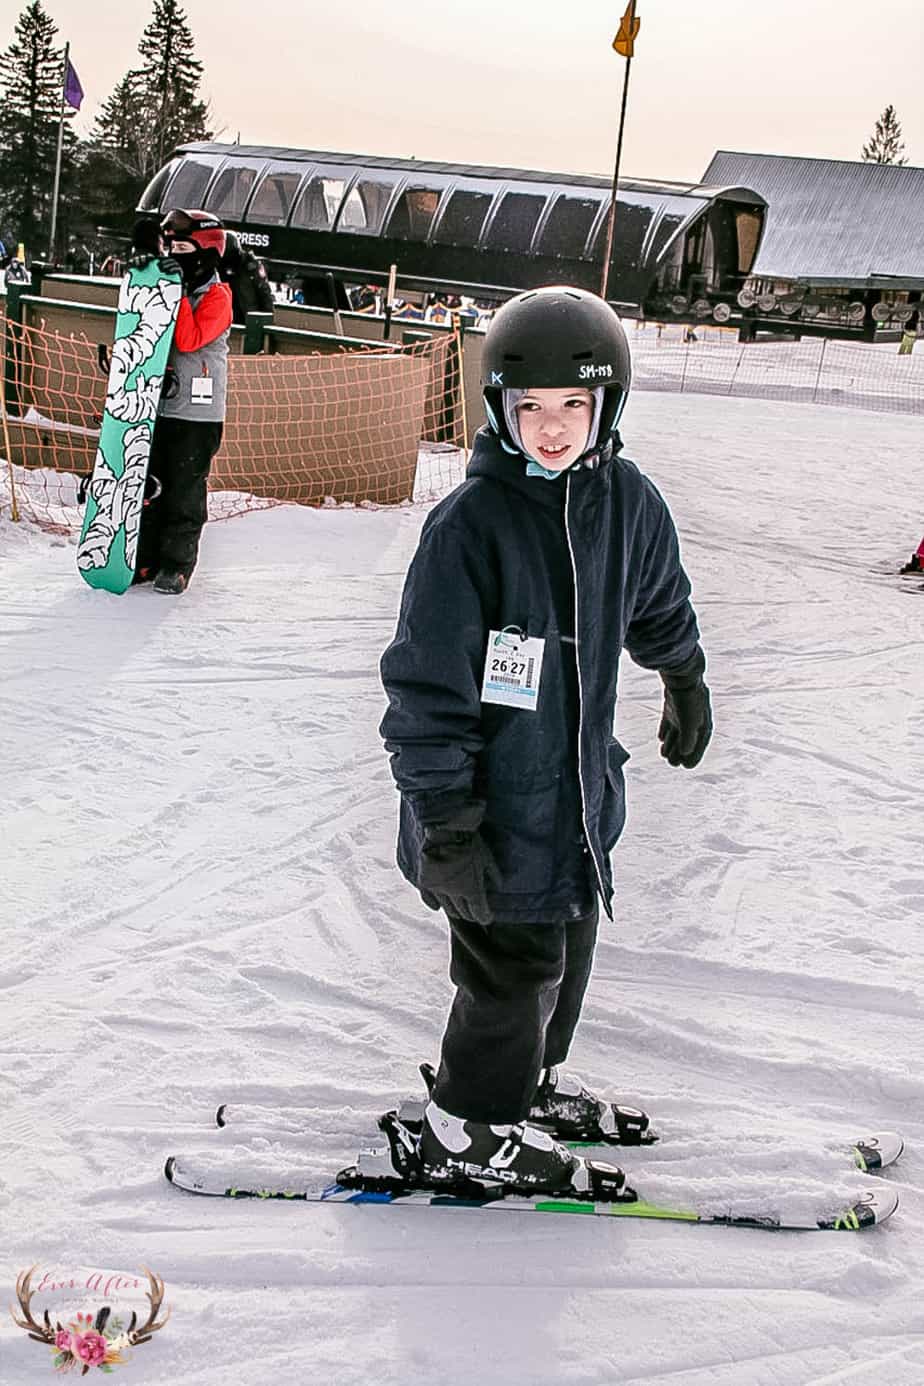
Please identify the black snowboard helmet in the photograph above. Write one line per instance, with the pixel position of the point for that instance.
(205, 232)
(554, 338)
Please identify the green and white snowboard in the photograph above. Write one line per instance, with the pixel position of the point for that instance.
(149, 301)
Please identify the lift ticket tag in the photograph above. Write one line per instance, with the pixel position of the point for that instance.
(201, 391)
(512, 668)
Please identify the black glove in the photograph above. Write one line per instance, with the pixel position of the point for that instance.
(456, 867)
(169, 265)
(686, 722)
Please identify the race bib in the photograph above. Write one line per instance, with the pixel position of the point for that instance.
(512, 668)
(202, 389)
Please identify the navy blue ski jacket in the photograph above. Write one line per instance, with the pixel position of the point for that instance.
(588, 562)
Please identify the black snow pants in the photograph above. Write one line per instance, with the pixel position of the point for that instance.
(519, 990)
(171, 523)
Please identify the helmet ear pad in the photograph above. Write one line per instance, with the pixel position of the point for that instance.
(614, 402)
(494, 409)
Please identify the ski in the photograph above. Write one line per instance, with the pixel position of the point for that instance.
(869, 1209)
(875, 1153)
(389, 1171)
(626, 1126)
(870, 1153)
(294, 1122)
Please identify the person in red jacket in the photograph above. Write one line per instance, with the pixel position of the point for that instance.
(192, 407)
(915, 564)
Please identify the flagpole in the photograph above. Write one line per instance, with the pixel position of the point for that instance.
(57, 185)
(604, 278)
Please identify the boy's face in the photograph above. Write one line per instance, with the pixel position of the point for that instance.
(555, 424)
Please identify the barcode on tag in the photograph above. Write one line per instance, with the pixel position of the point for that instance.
(529, 673)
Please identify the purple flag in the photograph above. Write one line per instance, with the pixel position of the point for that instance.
(73, 91)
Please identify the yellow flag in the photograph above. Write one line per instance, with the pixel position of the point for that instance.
(624, 42)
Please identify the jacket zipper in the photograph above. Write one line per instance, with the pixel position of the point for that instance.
(577, 659)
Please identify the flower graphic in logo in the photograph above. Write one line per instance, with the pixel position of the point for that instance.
(90, 1341)
(90, 1347)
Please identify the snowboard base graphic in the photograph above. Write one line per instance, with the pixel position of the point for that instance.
(149, 301)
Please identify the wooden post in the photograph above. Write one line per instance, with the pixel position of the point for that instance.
(458, 332)
(389, 300)
(14, 508)
(332, 295)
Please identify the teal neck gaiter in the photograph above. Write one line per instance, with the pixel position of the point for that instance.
(537, 469)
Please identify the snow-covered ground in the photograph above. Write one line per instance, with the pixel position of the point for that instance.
(200, 904)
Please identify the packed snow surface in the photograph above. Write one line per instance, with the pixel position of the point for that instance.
(200, 905)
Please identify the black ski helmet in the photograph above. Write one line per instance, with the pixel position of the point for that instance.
(556, 337)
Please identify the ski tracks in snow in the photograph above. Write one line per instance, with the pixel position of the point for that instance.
(199, 839)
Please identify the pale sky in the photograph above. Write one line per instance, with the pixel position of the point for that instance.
(533, 83)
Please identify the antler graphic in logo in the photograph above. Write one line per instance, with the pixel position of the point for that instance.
(88, 1341)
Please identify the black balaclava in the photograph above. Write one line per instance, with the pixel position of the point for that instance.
(197, 267)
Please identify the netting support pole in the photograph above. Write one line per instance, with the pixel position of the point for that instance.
(821, 362)
(459, 334)
(731, 384)
(14, 507)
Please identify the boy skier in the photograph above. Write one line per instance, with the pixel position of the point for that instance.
(529, 580)
(192, 407)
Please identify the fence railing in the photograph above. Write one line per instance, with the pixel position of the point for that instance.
(816, 371)
(315, 415)
(333, 422)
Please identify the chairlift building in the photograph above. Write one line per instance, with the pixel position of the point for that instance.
(842, 252)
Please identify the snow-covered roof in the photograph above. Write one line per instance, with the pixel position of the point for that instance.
(830, 220)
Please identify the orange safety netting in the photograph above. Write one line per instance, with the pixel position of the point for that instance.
(345, 426)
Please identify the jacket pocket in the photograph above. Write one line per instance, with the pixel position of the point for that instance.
(613, 807)
(519, 830)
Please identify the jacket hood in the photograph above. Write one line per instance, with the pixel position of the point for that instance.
(489, 458)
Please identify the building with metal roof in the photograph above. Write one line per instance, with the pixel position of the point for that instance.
(843, 239)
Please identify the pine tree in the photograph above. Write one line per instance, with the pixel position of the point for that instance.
(153, 108)
(886, 145)
(117, 157)
(31, 73)
(169, 77)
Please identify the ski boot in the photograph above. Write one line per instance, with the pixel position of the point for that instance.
(565, 1109)
(476, 1162)
(519, 1156)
